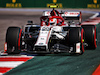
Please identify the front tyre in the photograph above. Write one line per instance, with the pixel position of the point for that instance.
(14, 40)
(76, 40)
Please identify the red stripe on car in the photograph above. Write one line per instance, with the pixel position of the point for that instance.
(19, 39)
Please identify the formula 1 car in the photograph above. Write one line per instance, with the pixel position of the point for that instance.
(57, 33)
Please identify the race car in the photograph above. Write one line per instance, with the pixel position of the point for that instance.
(57, 33)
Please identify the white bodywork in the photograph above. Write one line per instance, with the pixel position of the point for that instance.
(78, 48)
(45, 34)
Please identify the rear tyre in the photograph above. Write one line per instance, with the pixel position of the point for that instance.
(14, 40)
(90, 36)
(76, 36)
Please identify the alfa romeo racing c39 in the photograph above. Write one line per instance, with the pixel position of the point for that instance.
(57, 33)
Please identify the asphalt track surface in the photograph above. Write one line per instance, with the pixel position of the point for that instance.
(52, 64)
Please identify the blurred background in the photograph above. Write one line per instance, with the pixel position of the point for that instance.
(47, 3)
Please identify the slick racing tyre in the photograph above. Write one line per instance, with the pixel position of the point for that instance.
(76, 36)
(14, 40)
(90, 36)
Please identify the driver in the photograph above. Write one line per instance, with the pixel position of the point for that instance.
(53, 21)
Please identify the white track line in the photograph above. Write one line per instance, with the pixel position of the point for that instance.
(93, 22)
(94, 16)
(11, 63)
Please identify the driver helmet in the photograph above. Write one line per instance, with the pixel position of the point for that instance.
(53, 21)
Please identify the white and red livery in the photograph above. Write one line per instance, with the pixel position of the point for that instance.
(57, 33)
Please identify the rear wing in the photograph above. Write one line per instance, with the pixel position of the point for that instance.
(72, 16)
